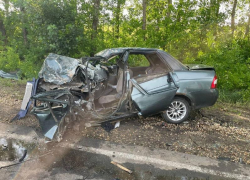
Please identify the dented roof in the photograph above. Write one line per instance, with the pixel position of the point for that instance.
(107, 53)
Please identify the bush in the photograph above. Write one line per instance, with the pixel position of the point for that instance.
(31, 65)
(232, 63)
(27, 68)
(9, 59)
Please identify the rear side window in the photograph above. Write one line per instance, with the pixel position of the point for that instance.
(173, 63)
(156, 61)
(138, 60)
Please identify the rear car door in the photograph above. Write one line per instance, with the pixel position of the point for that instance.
(153, 93)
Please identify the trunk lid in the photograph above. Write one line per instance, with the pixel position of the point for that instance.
(199, 67)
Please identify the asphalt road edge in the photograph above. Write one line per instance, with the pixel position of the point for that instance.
(160, 158)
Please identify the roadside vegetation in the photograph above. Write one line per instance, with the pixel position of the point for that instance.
(214, 32)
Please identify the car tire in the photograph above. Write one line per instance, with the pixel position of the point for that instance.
(178, 111)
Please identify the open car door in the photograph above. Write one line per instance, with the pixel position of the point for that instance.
(154, 93)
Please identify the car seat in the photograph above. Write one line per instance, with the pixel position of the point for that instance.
(112, 97)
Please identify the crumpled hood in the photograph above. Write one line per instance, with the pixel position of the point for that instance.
(58, 69)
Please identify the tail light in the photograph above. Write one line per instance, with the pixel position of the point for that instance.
(214, 83)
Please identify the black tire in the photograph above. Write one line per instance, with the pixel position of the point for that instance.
(178, 111)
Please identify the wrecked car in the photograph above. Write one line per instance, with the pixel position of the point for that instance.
(117, 83)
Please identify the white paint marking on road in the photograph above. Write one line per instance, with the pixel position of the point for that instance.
(150, 160)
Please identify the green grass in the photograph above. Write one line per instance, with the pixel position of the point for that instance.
(233, 98)
(11, 82)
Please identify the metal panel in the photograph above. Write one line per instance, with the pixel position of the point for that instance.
(153, 96)
(195, 85)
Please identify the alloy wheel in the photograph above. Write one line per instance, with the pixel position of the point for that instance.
(176, 111)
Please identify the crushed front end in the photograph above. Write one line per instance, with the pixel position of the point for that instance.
(64, 91)
(84, 89)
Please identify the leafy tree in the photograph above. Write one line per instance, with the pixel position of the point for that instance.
(193, 31)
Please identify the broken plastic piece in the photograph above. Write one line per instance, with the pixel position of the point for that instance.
(24, 155)
(27, 95)
(50, 124)
(30, 91)
(8, 75)
(117, 124)
(50, 134)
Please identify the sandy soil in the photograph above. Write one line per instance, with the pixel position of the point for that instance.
(221, 131)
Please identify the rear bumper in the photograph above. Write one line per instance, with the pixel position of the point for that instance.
(214, 96)
(205, 98)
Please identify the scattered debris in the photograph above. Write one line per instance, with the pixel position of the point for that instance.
(117, 124)
(30, 91)
(8, 75)
(24, 155)
(169, 144)
(10, 163)
(21, 160)
(240, 161)
(107, 126)
(122, 167)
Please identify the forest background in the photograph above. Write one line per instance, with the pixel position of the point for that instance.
(211, 32)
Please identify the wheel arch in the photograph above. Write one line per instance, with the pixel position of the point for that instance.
(186, 98)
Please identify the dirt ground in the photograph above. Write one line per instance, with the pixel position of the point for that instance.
(221, 131)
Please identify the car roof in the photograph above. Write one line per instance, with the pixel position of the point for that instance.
(107, 53)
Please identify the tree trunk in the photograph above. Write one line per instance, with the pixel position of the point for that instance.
(95, 17)
(2, 26)
(3, 31)
(212, 7)
(25, 36)
(144, 18)
(233, 17)
(144, 15)
(6, 7)
(179, 10)
(95, 24)
(216, 10)
(248, 24)
(25, 31)
(117, 17)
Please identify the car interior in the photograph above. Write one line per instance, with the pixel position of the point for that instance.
(141, 67)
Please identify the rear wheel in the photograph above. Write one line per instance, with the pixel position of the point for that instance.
(178, 111)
